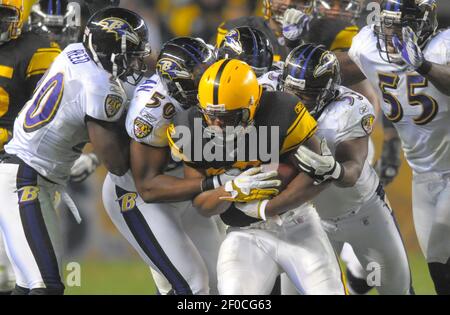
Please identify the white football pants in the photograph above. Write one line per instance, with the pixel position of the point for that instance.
(431, 212)
(172, 238)
(30, 227)
(251, 258)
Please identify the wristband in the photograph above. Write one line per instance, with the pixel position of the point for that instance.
(207, 184)
(425, 68)
(262, 209)
(217, 182)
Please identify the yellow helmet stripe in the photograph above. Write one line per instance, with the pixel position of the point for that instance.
(217, 81)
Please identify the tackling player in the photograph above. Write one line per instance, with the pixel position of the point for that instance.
(80, 99)
(147, 204)
(407, 60)
(354, 211)
(265, 237)
(62, 22)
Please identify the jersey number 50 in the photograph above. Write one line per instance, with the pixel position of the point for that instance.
(45, 103)
(429, 104)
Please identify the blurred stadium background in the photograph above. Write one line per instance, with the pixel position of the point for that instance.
(108, 264)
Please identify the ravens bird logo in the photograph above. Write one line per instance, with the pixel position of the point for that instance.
(120, 28)
(233, 41)
(170, 68)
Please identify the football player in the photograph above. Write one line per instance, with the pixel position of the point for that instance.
(266, 236)
(24, 59)
(62, 22)
(407, 60)
(151, 204)
(357, 212)
(80, 99)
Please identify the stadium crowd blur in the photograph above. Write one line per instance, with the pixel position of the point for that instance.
(200, 18)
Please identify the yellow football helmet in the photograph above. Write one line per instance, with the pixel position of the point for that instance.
(13, 15)
(229, 91)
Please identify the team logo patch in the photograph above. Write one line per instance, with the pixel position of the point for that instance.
(142, 128)
(367, 123)
(128, 202)
(169, 111)
(172, 69)
(113, 104)
(120, 28)
(28, 194)
(299, 108)
(233, 41)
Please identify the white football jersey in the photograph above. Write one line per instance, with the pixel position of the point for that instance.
(50, 131)
(419, 111)
(349, 117)
(150, 113)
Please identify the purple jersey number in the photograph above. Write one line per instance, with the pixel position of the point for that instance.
(46, 103)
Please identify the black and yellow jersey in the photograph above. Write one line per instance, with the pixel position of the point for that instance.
(280, 51)
(281, 123)
(336, 35)
(23, 61)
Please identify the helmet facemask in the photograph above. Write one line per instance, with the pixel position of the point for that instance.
(134, 64)
(315, 99)
(226, 126)
(421, 19)
(128, 64)
(9, 19)
(315, 83)
(60, 21)
(338, 9)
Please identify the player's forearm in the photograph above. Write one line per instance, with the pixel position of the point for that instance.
(165, 188)
(352, 171)
(299, 191)
(350, 72)
(439, 76)
(209, 203)
(392, 144)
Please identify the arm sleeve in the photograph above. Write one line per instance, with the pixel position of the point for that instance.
(359, 120)
(39, 63)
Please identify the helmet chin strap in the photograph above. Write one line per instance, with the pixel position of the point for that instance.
(94, 54)
(115, 67)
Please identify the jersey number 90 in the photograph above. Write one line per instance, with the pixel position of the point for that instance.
(46, 101)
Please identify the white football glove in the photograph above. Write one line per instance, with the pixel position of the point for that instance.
(252, 185)
(84, 167)
(255, 209)
(320, 167)
(408, 48)
(295, 23)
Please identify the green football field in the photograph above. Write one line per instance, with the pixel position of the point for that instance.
(133, 277)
